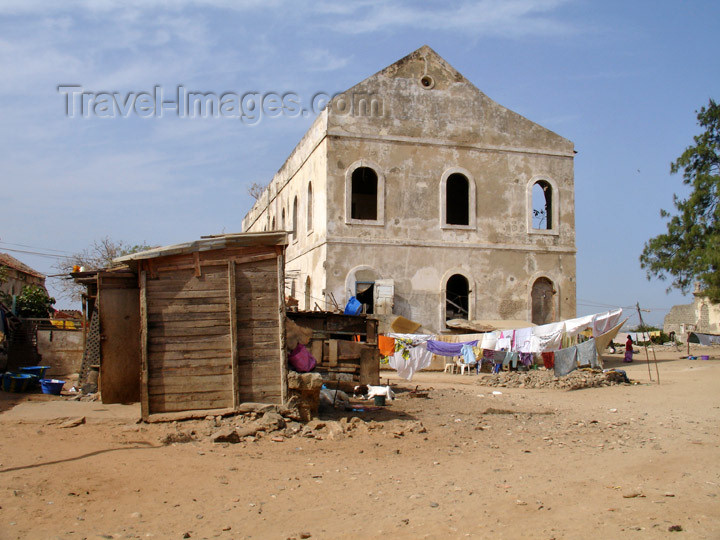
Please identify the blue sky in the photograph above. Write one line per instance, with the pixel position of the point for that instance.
(620, 79)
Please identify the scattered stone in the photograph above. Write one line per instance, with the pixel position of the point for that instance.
(675, 528)
(434, 505)
(271, 421)
(315, 425)
(73, 422)
(668, 494)
(576, 380)
(305, 535)
(226, 435)
(177, 437)
(632, 495)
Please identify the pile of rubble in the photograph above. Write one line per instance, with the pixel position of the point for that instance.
(278, 424)
(576, 380)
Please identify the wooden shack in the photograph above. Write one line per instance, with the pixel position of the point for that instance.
(212, 326)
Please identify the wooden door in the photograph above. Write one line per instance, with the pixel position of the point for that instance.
(189, 363)
(119, 301)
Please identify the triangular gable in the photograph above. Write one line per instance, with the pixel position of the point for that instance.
(423, 96)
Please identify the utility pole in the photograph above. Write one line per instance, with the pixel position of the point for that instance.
(642, 325)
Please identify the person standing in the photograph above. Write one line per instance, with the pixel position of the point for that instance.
(628, 349)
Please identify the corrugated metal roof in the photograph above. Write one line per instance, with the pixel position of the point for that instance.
(209, 243)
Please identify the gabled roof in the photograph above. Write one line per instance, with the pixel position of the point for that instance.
(12, 262)
(424, 97)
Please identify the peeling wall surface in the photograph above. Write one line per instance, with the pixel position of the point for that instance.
(418, 124)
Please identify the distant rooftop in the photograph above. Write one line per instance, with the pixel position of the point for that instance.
(12, 262)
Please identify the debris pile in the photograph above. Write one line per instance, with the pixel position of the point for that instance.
(278, 424)
(576, 380)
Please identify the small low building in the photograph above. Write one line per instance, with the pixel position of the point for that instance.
(196, 326)
(17, 275)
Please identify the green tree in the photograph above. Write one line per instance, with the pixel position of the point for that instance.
(35, 302)
(98, 255)
(690, 249)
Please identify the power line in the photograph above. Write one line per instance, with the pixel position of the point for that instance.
(35, 247)
(38, 253)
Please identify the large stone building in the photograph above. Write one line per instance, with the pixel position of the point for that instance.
(421, 196)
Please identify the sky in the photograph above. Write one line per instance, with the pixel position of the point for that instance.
(622, 80)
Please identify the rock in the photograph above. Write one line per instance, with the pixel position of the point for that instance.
(248, 430)
(434, 505)
(315, 425)
(668, 494)
(226, 435)
(177, 437)
(74, 422)
(305, 535)
(675, 528)
(335, 430)
(632, 495)
(271, 421)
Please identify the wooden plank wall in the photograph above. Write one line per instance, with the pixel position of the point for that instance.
(189, 361)
(259, 319)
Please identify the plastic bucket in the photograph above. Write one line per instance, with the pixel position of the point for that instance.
(17, 382)
(379, 401)
(705, 357)
(39, 371)
(51, 386)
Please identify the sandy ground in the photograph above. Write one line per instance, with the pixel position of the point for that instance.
(612, 462)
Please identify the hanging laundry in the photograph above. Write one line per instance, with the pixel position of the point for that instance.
(504, 343)
(526, 358)
(468, 354)
(489, 340)
(548, 359)
(523, 339)
(603, 322)
(587, 354)
(408, 360)
(386, 345)
(447, 349)
(565, 361)
(511, 358)
(575, 326)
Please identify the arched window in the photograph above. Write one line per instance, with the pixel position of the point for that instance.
(457, 200)
(293, 232)
(457, 296)
(282, 220)
(364, 199)
(542, 205)
(543, 301)
(309, 207)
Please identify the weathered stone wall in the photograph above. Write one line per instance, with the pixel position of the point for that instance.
(702, 316)
(428, 122)
(62, 350)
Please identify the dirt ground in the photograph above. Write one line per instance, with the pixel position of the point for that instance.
(609, 462)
